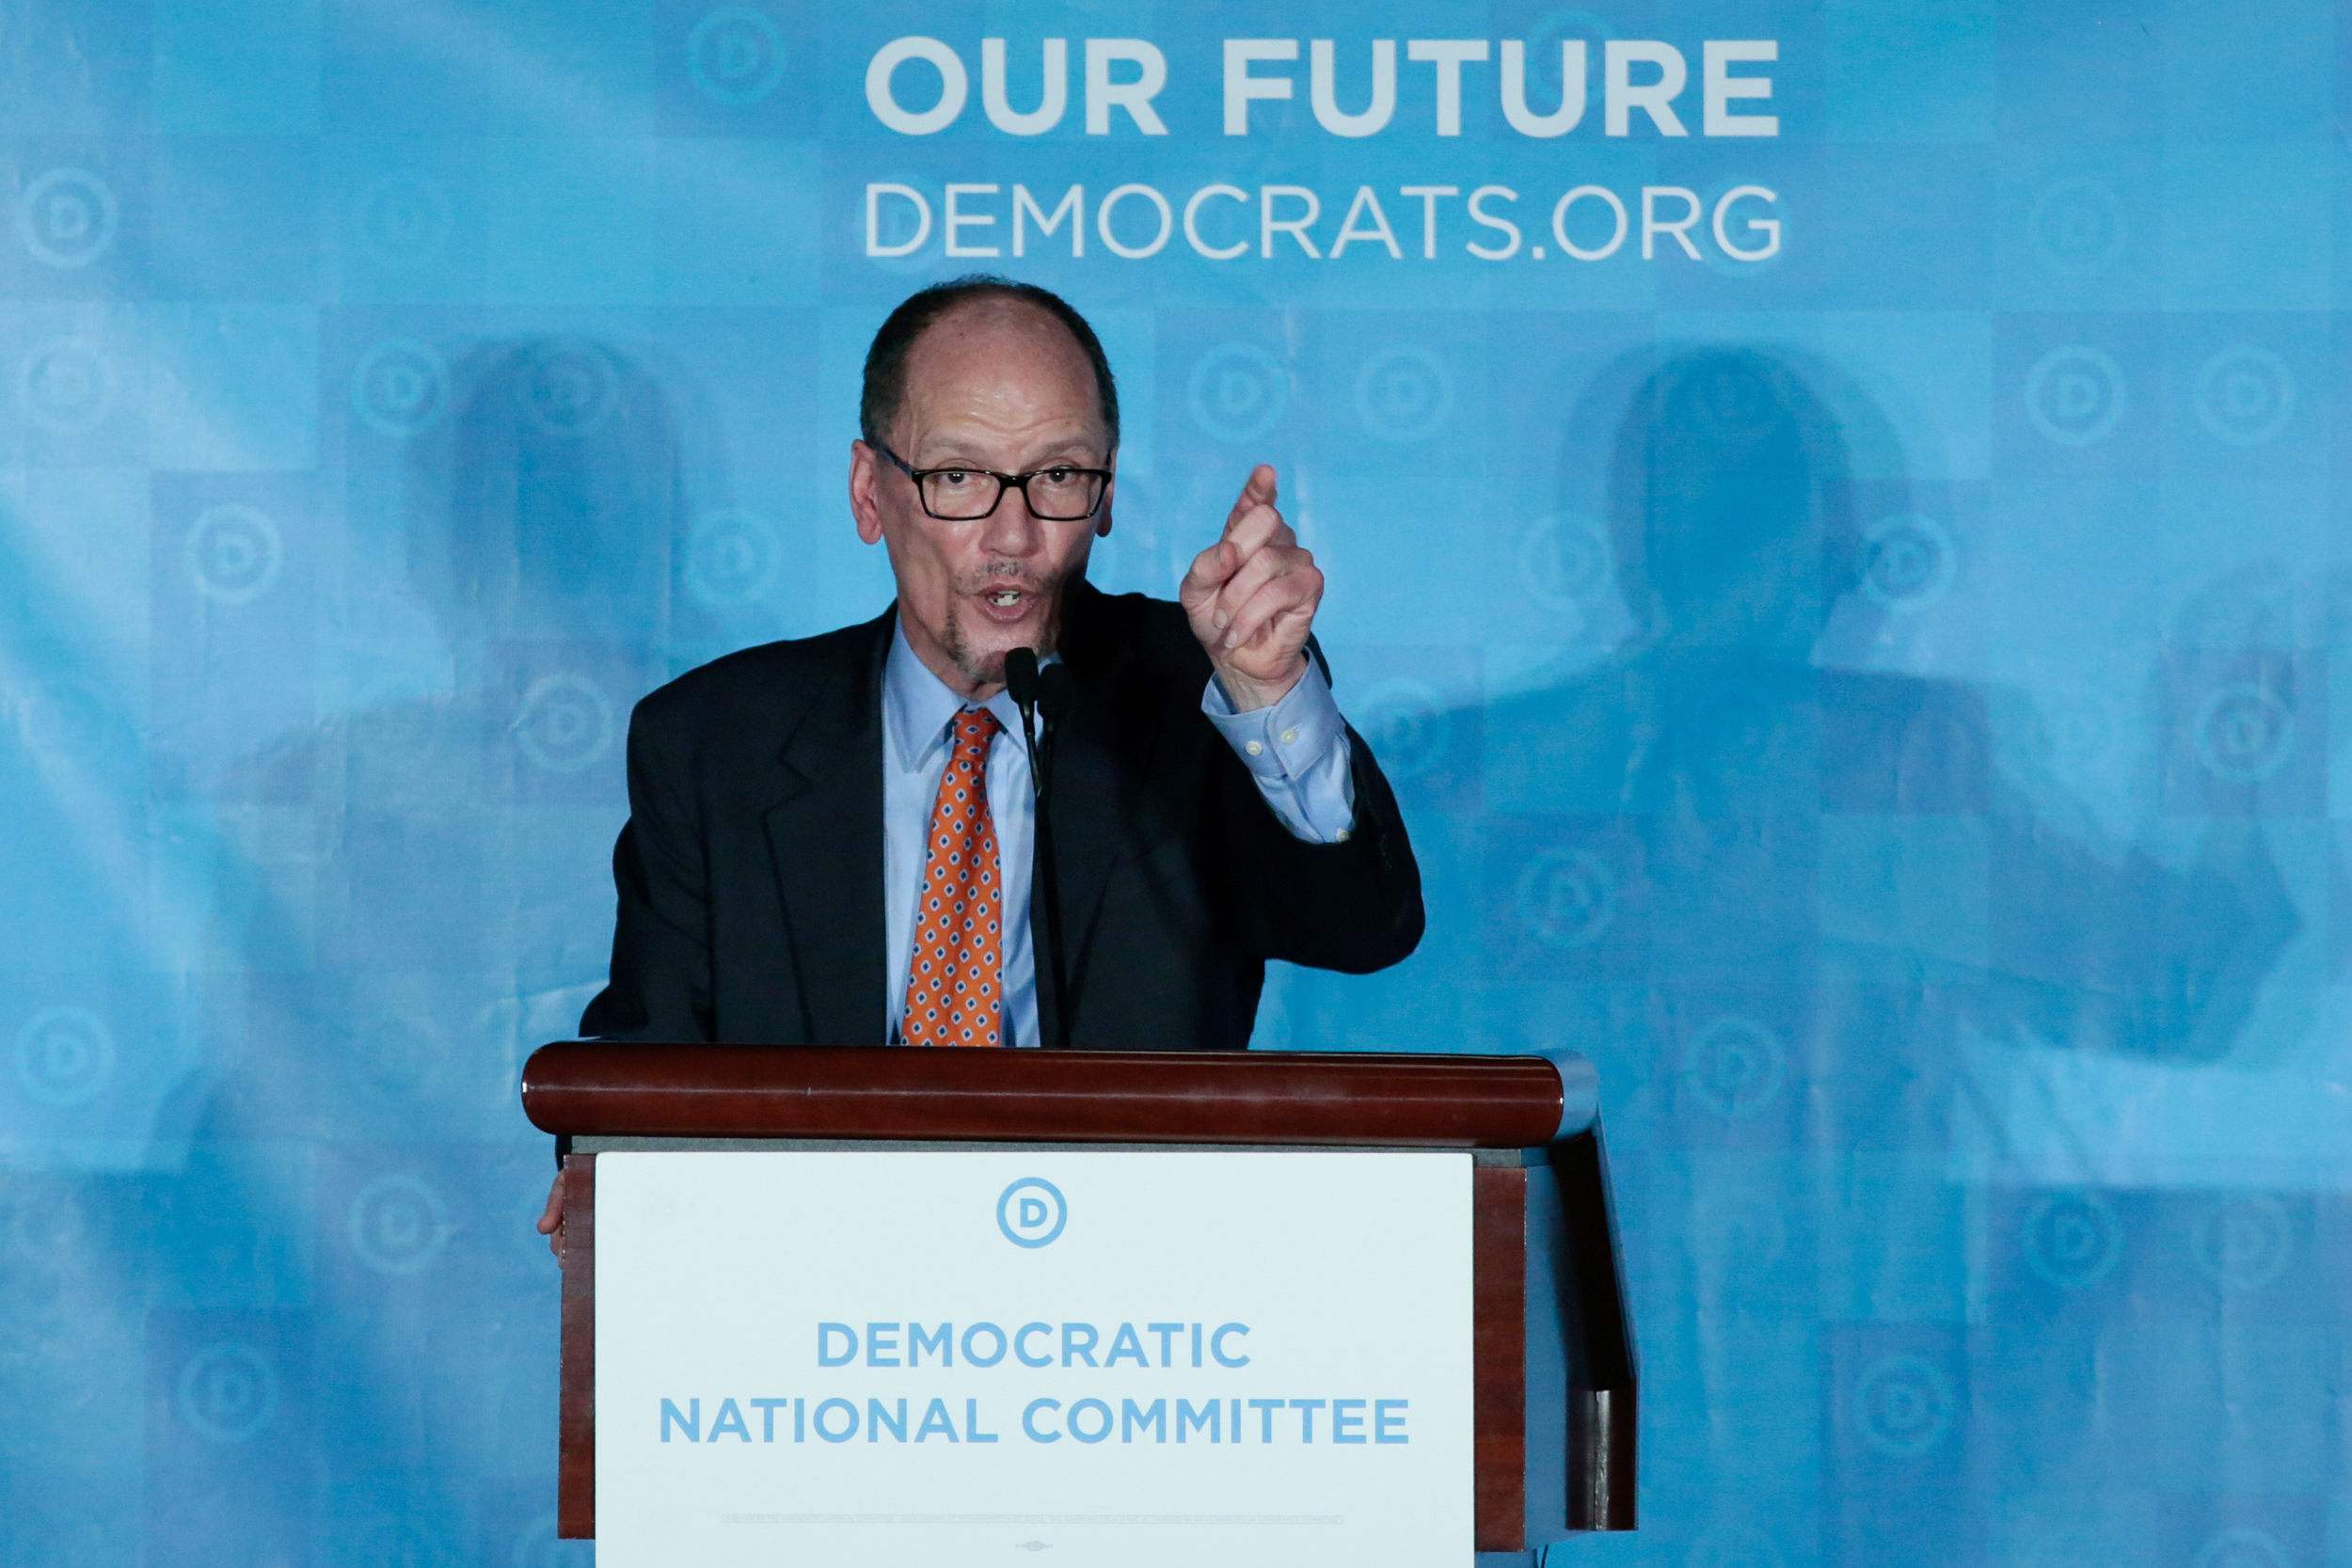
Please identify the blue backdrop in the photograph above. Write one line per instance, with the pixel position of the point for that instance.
(1851, 608)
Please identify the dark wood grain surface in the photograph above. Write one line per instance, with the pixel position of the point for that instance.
(576, 1419)
(703, 1091)
(1499, 1355)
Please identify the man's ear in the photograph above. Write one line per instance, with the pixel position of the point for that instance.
(864, 491)
(1110, 493)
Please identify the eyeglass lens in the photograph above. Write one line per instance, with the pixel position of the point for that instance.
(1056, 494)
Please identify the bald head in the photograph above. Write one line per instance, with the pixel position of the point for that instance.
(889, 362)
(998, 366)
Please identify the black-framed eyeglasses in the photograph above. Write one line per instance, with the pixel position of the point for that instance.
(1061, 494)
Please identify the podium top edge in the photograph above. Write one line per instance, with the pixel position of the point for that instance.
(636, 1089)
(591, 1144)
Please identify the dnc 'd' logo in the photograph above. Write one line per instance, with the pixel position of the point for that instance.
(1031, 1211)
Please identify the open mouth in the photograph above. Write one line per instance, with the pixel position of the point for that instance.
(1008, 603)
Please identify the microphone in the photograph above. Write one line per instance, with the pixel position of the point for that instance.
(1021, 679)
(1047, 690)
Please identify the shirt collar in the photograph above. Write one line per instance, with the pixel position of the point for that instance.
(917, 705)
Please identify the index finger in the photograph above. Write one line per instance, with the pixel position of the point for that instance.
(1258, 491)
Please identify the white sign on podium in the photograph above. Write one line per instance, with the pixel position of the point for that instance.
(1140, 1358)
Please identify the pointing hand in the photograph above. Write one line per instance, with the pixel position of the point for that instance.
(1251, 598)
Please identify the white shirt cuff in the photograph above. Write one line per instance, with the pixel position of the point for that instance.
(1297, 752)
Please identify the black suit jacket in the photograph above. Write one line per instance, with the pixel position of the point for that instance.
(750, 874)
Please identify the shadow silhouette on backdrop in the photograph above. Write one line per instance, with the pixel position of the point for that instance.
(1773, 892)
(443, 889)
(409, 895)
(1814, 876)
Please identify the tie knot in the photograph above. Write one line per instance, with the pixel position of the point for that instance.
(975, 728)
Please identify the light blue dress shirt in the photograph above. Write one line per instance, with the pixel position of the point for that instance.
(1296, 751)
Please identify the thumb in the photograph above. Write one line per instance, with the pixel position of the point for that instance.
(1210, 570)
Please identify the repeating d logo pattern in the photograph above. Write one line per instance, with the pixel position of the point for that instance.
(232, 553)
(565, 723)
(65, 1056)
(227, 1393)
(2242, 1244)
(1404, 394)
(2074, 395)
(1735, 1066)
(400, 388)
(1407, 722)
(2243, 732)
(66, 386)
(2245, 395)
(735, 54)
(403, 218)
(2078, 228)
(398, 1225)
(1565, 897)
(1911, 561)
(954, 989)
(2072, 1239)
(1902, 1406)
(570, 389)
(1237, 392)
(1566, 562)
(67, 219)
(731, 559)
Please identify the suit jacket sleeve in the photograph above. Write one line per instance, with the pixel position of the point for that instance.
(660, 985)
(1353, 906)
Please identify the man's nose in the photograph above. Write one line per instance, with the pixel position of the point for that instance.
(1012, 528)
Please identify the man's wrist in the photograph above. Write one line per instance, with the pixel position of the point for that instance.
(1248, 695)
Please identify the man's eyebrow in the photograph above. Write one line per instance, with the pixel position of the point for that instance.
(1077, 456)
(946, 457)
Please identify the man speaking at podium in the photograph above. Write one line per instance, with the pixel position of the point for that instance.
(834, 841)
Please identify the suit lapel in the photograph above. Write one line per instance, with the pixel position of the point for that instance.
(825, 833)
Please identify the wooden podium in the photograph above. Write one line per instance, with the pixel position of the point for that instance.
(1555, 1385)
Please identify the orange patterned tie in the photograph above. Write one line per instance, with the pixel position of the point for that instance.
(953, 987)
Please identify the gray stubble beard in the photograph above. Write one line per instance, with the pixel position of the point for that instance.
(959, 651)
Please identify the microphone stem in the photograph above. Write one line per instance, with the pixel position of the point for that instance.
(1047, 878)
(1052, 878)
